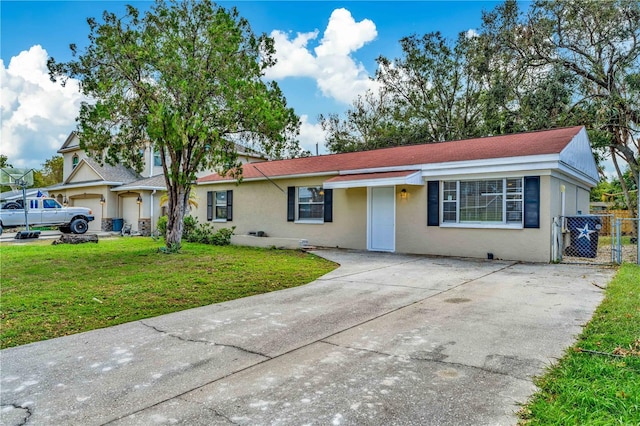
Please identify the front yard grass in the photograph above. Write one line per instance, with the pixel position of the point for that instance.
(50, 291)
(597, 382)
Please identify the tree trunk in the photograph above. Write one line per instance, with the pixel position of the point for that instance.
(177, 201)
(623, 183)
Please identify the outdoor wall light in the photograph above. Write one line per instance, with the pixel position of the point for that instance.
(65, 201)
(102, 200)
(139, 199)
(403, 194)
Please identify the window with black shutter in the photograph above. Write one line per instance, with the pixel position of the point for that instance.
(532, 202)
(433, 207)
(209, 205)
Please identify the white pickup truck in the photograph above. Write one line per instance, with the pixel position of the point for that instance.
(45, 212)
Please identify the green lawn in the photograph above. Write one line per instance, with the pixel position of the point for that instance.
(597, 382)
(49, 291)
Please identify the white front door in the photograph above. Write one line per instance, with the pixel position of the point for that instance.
(382, 219)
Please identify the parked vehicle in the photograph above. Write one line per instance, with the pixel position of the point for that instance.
(45, 212)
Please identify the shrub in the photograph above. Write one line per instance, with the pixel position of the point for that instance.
(195, 232)
(162, 226)
(223, 236)
(189, 226)
(204, 233)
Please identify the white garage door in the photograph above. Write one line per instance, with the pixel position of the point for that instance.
(96, 208)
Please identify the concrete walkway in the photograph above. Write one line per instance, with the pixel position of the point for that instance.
(384, 339)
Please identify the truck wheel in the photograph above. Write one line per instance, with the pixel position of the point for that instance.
(0, 228)
(12, 205)
(65, 229)
(79, 226)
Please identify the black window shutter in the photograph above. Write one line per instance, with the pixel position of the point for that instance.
(433, 209)
(209, 205)
(229, 205)
(291, 203)
(532, 202)
(328, 205)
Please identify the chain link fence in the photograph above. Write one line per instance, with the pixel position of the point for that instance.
(596, 239)
(626, 247)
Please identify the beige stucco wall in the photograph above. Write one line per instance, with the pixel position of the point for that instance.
(576, 197)
(260, 206)
(414, 236)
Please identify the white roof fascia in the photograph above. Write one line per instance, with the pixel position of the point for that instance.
(86, 185)
(299, 176)
(576, 176)
(381, 169)
(138, 188)
(412, 179)
(494, 175)
(484, 165)
(569, 179)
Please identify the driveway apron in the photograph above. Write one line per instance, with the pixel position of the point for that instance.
(384, 339)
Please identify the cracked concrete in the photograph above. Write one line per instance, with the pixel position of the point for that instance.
(384, 339)
(185, 339)
(14, 414)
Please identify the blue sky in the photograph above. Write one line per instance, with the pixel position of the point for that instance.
(326, 53)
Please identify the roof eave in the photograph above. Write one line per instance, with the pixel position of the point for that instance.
(125, 188)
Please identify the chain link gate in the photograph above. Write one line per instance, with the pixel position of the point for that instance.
(577, 239)
(596, 239)
(626, 248)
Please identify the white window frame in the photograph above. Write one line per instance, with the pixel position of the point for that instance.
(156, 158)
(216, 204)
(450, 198)
(319, 220)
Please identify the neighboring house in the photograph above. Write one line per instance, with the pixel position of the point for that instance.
(117, 195)
(469, 198)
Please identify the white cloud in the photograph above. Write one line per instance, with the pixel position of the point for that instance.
(294, 60)
(331, 64)
(471, 33)
(344, 35)
(37, 114)
(310, 135)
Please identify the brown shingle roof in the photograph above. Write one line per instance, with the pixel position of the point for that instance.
(504, 146)
(381, 175)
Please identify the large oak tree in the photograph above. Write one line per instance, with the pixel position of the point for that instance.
(558, 63)
(184, 79)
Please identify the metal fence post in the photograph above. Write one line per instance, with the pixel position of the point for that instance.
(613, 239)
(556, 232)
(618, 241)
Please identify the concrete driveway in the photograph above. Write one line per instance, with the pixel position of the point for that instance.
(384, 339)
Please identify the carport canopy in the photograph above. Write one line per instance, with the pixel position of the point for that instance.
(359, 180)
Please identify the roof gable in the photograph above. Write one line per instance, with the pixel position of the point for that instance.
(72, 143)
(83, 172)
(487, 148)
(578, 156)
(89, 170)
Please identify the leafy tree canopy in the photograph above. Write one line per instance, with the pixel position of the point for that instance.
(186, 79)
(559, 63)
(51, 172)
